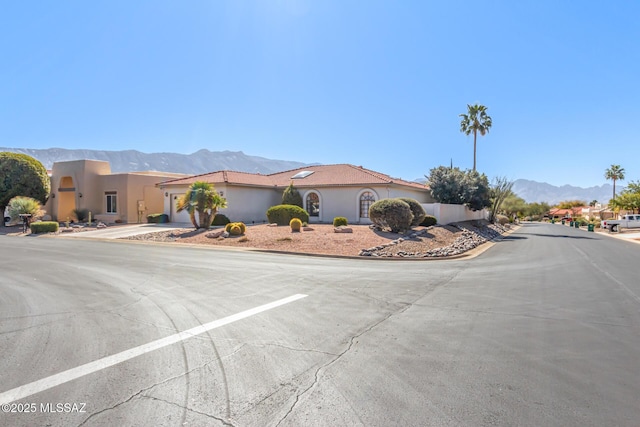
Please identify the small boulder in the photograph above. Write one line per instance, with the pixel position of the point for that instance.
(273, 224)
(343, 229)
(307, 229)
(215, 234)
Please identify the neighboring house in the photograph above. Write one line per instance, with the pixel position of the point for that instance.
(327, 191)
(89, 184)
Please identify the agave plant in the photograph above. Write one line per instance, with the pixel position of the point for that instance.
(24, 205)
(203, 199)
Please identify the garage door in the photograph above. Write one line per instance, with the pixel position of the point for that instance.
(178, 216)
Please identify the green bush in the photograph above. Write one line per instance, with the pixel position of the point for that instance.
(158, 218)
(295, 224)
(81, 214)
(235, 228)
(44, 227)
(220, 219)
(283, 214)
(416, 209)
(502, 219)
(392, 214)
(291, 196)
(24, 205)
(428, 221)
(340, 220)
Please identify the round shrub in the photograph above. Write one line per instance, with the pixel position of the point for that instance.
(240, 226)
(502, 219)
(429, 220)
(220, 219)
(295, 224)
(235, 229)
(416, 209)
(392, 214)
(340, 220)
(283, 214)
(158, 218)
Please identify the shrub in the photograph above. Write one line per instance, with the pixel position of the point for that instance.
(44, 227)
(416, 209)
(283, 214)
(502, 219)
(429, 220)
(295, 224)
(235, 228)
(81, 214)
(220, 219)
(291, 196)
(24, 205)
(391, 214)
(340, 220)
(157, 218)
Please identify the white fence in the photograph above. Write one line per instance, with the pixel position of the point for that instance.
(446, 214)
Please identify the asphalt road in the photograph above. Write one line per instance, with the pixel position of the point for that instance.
(543, 329)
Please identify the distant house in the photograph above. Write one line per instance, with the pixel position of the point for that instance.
(327, 191)
(89, 184)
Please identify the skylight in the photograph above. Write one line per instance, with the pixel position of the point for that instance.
(302, 174)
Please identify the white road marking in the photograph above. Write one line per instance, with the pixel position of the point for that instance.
(97, 365)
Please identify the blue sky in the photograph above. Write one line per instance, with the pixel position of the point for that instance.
(372, 83)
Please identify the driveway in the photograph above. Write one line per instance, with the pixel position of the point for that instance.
(120, 231)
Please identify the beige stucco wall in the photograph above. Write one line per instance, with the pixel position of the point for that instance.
(91, 179)
(249, 204)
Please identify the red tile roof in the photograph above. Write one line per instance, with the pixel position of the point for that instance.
(322, 176)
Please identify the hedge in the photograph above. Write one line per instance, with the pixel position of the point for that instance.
(283, 214)
(44, 227)
(393, 214)
(158, 218)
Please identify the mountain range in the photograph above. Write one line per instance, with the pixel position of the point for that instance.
(202, 161)
(205, 161)
(533, 191)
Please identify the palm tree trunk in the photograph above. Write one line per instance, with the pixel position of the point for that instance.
(475, 135)
(614, 188)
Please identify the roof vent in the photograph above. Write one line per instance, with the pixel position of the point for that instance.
(302, 174)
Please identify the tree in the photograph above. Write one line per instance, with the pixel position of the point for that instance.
(629, 199)
(22, 175)
(291, 196)
(568, 204)
(453, 186)
(201, 197)
(513, 205)
(614, 173)
(476, 120)
(593, 203)
(500, 190)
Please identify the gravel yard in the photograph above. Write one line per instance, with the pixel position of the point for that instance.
(436, 241)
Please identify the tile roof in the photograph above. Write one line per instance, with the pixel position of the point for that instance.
(322, 176)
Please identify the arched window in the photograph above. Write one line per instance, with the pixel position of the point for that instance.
(366, 199)
(313, 204)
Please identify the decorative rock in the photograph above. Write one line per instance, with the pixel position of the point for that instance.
(273, 224)
(307, 229)
(224, 234)
(101, 225)
(215, 234)
(343, 229)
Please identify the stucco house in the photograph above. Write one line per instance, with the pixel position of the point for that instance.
(110, 197)
(327, 191)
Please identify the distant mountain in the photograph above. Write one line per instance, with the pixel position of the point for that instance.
(199, 162)
(533, 191)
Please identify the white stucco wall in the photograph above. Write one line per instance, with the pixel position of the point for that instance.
(447, 214)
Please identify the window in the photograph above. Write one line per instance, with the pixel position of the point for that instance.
(366, 199)
(112, 201)
(313, 204)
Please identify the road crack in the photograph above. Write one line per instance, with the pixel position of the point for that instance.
(221, 420)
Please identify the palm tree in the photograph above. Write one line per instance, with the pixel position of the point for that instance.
(614, 173)
(201, 197)
(476, 120)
